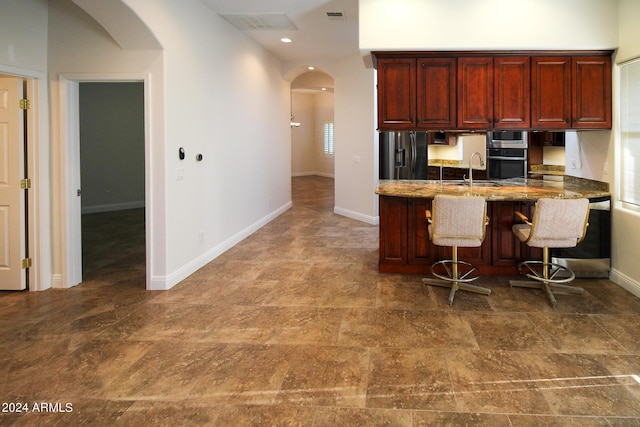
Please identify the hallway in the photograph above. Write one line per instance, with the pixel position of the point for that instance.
(295, 326)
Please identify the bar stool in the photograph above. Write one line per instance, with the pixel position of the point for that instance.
(557, 223)
(456, 221)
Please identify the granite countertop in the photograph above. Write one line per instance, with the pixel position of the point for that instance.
(458, 164)
(546, 170)
(513, 189)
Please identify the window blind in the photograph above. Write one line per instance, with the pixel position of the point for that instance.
(630, 133)
(328, 138)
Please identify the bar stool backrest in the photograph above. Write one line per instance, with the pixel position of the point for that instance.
(558, 223)
(458, 220)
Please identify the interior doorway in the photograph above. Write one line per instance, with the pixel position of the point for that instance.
(72, 172)
(312, 112)
(112, 176)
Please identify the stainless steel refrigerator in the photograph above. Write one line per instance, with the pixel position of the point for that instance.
(403, 155)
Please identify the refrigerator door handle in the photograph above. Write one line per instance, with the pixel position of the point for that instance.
(400, 157)
(414, 154)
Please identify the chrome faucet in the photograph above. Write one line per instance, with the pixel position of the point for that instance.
(471, 168)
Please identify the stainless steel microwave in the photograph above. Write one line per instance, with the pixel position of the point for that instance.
(507, 139)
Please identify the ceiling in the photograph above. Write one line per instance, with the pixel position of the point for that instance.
(317, 38)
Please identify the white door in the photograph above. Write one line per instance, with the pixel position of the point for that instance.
(12, 206)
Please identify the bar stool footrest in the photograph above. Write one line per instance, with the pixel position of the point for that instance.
(468, 272)
(538, 274)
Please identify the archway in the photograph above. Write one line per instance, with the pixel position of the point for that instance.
(312, 108)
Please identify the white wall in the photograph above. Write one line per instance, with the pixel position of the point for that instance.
(629, 30)
(472, 24)
(356, 141)
(586, 154)
(226, 99)
(112, 146)
(23, 34)
(302, 138)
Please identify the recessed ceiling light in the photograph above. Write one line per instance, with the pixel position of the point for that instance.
(324, 88)
(286, 40)
(311, 68)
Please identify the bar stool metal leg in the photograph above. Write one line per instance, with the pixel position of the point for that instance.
(455, 279)
(547, 279)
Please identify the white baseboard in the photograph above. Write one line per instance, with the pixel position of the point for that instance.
(373, 220)
(112, 207)
(326, 175)
(56, 281)
(625, 281)
(162, 283)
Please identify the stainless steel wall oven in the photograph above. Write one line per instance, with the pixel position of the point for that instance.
(506, 154)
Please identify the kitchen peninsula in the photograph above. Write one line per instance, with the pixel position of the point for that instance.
(405, 246)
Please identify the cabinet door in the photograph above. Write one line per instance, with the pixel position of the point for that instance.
(475, 92)
(396, 93)
(591, 84)
(436, 93)
(421, 250)
(433, 172)
(511, 92)
(551, 92)
(393, 230)
(505, 245)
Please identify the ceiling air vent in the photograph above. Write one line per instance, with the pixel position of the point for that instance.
(336, 16)
(260, 21)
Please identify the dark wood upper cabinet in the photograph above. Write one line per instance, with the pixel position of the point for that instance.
(551, 92)
(436, 93)
(475, 92)
(396, 93)
(546, 90)
(591, 86)
(511, 93)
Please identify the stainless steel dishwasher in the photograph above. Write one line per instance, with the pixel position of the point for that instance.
(592, 256)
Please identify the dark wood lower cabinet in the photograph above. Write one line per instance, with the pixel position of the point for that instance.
(393, 231)
(420, 250)
(405, 246)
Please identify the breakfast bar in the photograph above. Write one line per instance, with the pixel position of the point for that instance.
(404, 242)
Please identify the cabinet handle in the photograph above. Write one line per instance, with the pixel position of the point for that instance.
(568, 120)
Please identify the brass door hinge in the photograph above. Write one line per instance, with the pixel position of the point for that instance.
(26, 263)
(25, 184)
(25, 104)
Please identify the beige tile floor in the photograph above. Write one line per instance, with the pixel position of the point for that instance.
(295, 326)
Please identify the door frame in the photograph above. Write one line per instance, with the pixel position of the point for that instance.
(38, 222)
(70, 222)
